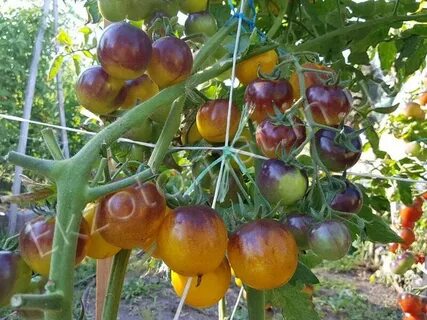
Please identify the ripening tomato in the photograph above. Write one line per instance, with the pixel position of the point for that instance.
(409, 215)
(171, 61)
(129, 217)
(408, 237)
(330, 240)
(402, 263)
(420, 258)
(191, 6)
(205, 290)
(192, 240)
(337, 157)
(263, 96)
(211, 120)
(191, 136)
(311, 78)
(136, 91)
(97, 247)
(329, 105)
(413, 110)
(124, 51)
(247, 71)
(275, 139)
(419, 316)
(348, 200)
(97, 91)
(281, 183)
(263, 254)
(423, 98)
(15, 276)
(393, 247)
(299, 225)
(410, 303)
(36, 240)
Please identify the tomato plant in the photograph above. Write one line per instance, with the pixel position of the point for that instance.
(247, 71)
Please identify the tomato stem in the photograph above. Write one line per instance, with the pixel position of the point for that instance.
(45, 302)
(52, 144)
(256, 304)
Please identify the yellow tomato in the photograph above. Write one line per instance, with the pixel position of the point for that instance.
(206, 290)
(247, 71)
(98, 248)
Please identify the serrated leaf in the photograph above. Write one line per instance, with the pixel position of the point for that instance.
(64, 38)
(55, 66)
(405, 192)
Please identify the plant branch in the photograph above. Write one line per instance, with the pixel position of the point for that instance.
(45, 302)
(44, 167)
(256, 304)
(278, 21)
(52, 144)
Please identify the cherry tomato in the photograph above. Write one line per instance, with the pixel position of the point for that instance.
(330, 240)
(201, 23)
(118, 10)
(329, 105)
(97, 247)
(420, 258)
(128, 218)
(191, 6)
(211, 120)
(264, 95)
(206, 290)
(247, 71)
(124, 51)
(97, 91)
(299, 225)
(402, 263)
(413, 110)
(408, 237)
(418, 203)
(171, 61)
(191, 136)
(336, 157)
(423, 98)
(311, 78)
(409, 316)
(281, 183)
(275, 139)
(393, 247)
(36, 240)
(409, 215)
(192, 240)
(15, 276)
(263, 254)
(348, 200)
(410, 303)
(143, 132)
(136, 91)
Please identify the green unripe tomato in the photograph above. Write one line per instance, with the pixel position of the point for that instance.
(201, 23)
(191, 6)
(118, 10)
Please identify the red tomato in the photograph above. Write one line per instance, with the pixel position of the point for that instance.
(393, 247)
(410, 303)
(420, 258)
(409, 215)
(408, 237)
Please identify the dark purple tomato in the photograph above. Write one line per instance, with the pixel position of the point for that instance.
(402, 263)
(348, 200)
(328, 104)
(201, 23)
(334, 156)
(330, 240)
(171, 62)
(97, 91)
(15, 276)
(299, 225)
(281, 183)
(273, 138)
(124, 51)
(263, 95)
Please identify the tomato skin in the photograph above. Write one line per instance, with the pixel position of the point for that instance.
(410, 303)
(211, 120)
(191, 136)
(330, 240)
(409, 215)
(299, 225)
(97, 247)
(36, 240)
(263, 95)
(142, 132)
(15, 276)
(192, 240)
(409, 316)
(129, 217)
(336, 157)
(118, 10)
(171, 61)
(348, 200)
(247, 71)
(274, 139)
(402, 263)
(408, 237)
(207, 291)
(279, 182)
(201, 23)
(413, 110)
(263, 254)
(311, 78)
(329, 105)
(192, 6)
(136, 91)
(124, 51)
(97, 91)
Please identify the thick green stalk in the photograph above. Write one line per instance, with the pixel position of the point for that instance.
(115, 286)
(256, 304)
(52, 144)
(45, 302)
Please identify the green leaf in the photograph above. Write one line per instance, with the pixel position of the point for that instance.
(405, 192)
(303, 275)
(94, 16)
(359, 58)
(55, 66)
(387, 53)
(377, 229)
(64, 38)
(295, 304)
(379, 203)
